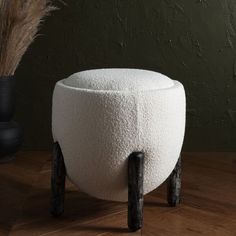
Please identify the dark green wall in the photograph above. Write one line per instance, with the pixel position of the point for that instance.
(192, 41)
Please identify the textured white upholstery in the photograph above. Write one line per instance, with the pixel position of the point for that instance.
(119, 80)
(101, 116)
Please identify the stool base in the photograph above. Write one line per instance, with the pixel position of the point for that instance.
(135, 186)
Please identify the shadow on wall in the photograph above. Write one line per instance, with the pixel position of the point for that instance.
(190, 41)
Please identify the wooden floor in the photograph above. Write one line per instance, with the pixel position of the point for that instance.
(208, 208)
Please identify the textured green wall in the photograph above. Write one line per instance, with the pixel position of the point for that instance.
(192, 41)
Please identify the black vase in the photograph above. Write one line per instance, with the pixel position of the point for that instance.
(10, 131)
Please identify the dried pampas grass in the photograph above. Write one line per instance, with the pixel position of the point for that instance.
(19, 23)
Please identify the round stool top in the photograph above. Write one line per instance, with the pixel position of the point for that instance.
(119, 80)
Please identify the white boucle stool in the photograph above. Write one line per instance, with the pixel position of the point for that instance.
(118, 134)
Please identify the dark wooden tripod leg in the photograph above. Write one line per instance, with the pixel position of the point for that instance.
(174, 185)
(57, 181)
(135, 191)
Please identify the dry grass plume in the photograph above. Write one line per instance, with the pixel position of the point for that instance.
(19, 24)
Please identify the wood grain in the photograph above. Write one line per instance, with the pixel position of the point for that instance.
(208, 206)
(174, 185)
(57, 181)
(135, 190)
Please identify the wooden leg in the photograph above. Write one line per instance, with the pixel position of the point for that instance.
(135, 191)
(57, 181)
(174, 185)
